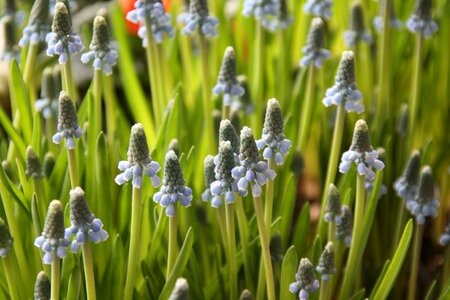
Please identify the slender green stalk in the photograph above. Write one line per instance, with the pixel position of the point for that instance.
(258, 71)
(9, 272)
(73, 169)
(415, 260)
(97, 102)
(325, 290)
(331, 232)
(28, 71)
(305, 119)
(135, 233)
(229, 212)
(67, 80)
(446, 267)
(152, 74)
(332, 163)
(353, 258)
(398, 225)
(226, 112)
(414, 99)
(264, 237)
(283, 67)
(40, 193)
(89, 272)
(56, 274)
(172, 255)
(243, 233)
(111, 106)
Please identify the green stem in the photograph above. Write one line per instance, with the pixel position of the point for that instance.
(415, 260)
(97, 102)
(331, 232)
(29, 68)
(258, 73)
(355, 249)
(446, 267)
(88, 272)
(40, 193)
(332, 163)
(111, 107)
(55, 281)
(264, 237)
(9, 272)
(243, 233)
(73, 169)
(414, 100)
(284, 71)
(226, 112)
(135, 233)
(398, 225)
(172, 255)
(305, 119)
(152, 74)
(325, 290)
(229, 212)
(67, 80)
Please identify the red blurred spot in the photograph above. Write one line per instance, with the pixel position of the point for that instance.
(128, 5)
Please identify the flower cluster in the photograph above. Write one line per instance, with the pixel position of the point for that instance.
(68, 127)
(151, 14)
(319, 8)
(394, 22)
(173, 189)
(9, 48)
(266, 11)
(84, 225)
(62, 41)
(273, 141)
(209, 176)
(406, 185)
(306, 281)
(42, 288)
(326, 262)
(9, 9)
(48, 103)
(357, 30)
(333, 208)
(345, 89)
(139, 160)
(6, 240)
(227, 84)
(243, 102)
(369, 185)
(38, 26)
(283, 20)
(344, 230)
(313, 51)
(445, 236)
(103, 57)
(251, 169)
(52, 241)
(421, 21)
(33, 165)
(199, 18)
(361, 153)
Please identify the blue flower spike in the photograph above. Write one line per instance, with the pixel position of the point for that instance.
(361, 153)
(9, 49)
(6, 241)
(406, 185)
(52, 241)
(274, 143)
(326, 266)
(421, 22)
(198, 18)
(210, 177)
(265, 11)
(68, 127)
(344, 230)
(38, 24)
(306, 281)
(139, 161)
(319, 8)
(333, 208)
(394, 22)
(83, 224)
(445, 236)
(357, 31)
(42, 287)
(314, 53)
(47, 105)
(173, 189)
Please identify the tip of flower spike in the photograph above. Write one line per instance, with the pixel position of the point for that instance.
(42, 286)
(228, 133)
(181, 290)
(33, 164)
(100, 37)
(361, 138)
(138, 147)
(246, 133)
(273, 123)
(403, 121)
(209, 173)
(426, 185)
(316, 33)
(246, 295)
(348, 55)
(62, 22)
(357, 19)
(39, 12)
(54, 222)
(175, 146)
(326, 262)
(229, 53)
(333, 207)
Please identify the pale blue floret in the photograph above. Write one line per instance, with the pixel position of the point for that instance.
(48, 107)
(276, 147)
(351, 37)
(94, 232)
(35, 33)
(423, 210)
(445, 236)
(424, 26)
(207, 24)
(405, 190)
(315, 56)
(63, 45)
(50, 247)
(135, 171)
(69, 134)
(168, 197)
(393, 23)
(229, 91)
(256, 174)
(148, 13)
(219, 189)
(102, 60)
(320, 8)
(350, 94)
(364, 161)
(265, 11)
(303, 292)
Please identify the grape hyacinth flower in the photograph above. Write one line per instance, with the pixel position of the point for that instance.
(273, 143)
(227, 132)
(406, 185)
(361, 153)
(33, 165)
(243, 102)
(173, 189)
(47, 105)
(102, 55)
(175, 146)
(38, 25)
(281, 21)
(52, 241)
(394, 22)
(345, 89)
(421, 21)
(326, 262)
(72, 5)
(210, 177)
(227, 83)
(333, 208)
(344, 230)
(68, 127)
(369, 185)
(180, 290)
(306, 281)
(357, 30)
(151, 13)
(265, 11)
(6, 240)
(9, 9)
(314, 53)
(425, 202)
(252, 169)
(9, 48)
(42, 287)
(84, 225)
(319, 8)
(139, 161)
(224, 186)
(445, 236)
(62, 40)
(199, 18)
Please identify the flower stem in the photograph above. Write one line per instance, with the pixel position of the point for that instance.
(446, 267)
(172, 255)
(67, 80)
(415, 260)
(135, 233)
(111, 107)
(229, 212)
(89, 271)
(356, 246)
(414, 99)
(29, 68)
(55, 277)
(226, 112)
(331, 232)
(152, 74)
(306, 110)
(39, 190)
(243, 233)
(332, 163)
(7, 265)
(325, 290)
(264, 237)
(73, 169)
(258, 73)
(97, 102)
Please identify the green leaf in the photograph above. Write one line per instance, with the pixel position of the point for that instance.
(316, 250)
(73, 289)
(397, 261)
(359, 295)
(288, 270)
(301, 231)
(12, 134)
(37, 135)
(431, 291)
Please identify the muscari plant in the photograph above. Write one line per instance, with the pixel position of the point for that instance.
(230, 210)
